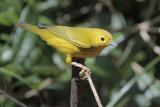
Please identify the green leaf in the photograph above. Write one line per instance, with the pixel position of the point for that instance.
(15, 75)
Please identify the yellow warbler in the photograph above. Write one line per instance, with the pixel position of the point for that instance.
(73, 41)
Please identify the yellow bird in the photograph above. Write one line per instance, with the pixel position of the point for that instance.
(73, 41)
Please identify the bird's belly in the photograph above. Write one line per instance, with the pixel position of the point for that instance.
(63, 46)
(88, 52)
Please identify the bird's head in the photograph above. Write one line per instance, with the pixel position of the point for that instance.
(103, 38)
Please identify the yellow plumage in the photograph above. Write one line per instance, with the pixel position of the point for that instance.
(73, 41)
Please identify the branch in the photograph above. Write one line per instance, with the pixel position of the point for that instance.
(150, 9)
(13, 99)
(76, 84)
(144, 27)
(90, 82)
(94, 90)
(110, 6)
(135, 28)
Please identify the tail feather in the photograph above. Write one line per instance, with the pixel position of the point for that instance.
(41, 31)
(32, 28)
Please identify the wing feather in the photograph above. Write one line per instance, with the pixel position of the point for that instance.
(72, 36)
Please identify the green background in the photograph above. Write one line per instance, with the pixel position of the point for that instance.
(124, 76)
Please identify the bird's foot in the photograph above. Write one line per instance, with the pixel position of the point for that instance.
(84, 69)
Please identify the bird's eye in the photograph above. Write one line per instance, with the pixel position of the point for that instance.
(102, 38)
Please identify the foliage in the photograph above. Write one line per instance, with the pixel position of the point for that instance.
(37, 75)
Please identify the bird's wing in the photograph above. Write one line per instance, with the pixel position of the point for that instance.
(72, 36)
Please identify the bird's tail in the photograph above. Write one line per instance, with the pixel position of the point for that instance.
(32, 28)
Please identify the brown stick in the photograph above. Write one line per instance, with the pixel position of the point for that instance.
(90, 82)
(76, 84)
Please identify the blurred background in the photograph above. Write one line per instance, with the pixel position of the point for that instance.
(36, 74)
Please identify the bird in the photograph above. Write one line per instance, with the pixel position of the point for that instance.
(76, 42)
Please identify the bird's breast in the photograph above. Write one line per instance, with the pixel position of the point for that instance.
(88, 52)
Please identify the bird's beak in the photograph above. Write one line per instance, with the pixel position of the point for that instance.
(112, 43)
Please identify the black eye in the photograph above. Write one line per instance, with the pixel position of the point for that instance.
(102, 38)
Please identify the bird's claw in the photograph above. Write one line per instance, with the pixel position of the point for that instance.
(84, 69)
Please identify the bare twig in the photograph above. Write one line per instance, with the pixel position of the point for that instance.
(153, 29)
(13, 99)
(34, 92)
(150, 9)
(76, 84)
(144, 27)
(155, 20)
(94, 90)
(90, 82)
(135, 28)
